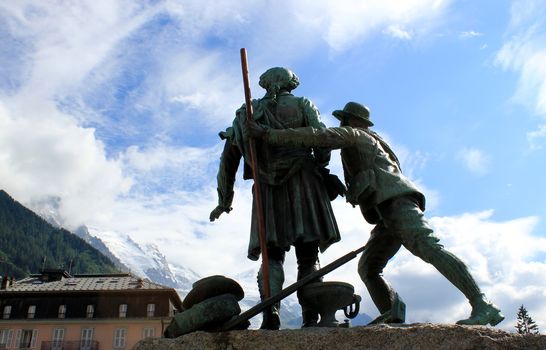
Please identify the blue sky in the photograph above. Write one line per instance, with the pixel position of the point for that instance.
(113, 108)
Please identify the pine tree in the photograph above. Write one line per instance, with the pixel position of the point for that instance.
(525, 324)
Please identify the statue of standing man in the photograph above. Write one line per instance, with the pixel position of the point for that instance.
(296, 202)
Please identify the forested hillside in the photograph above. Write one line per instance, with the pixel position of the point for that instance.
(26, 239)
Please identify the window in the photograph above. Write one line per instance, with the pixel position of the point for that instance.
(58, 338)
(7, 312)
(90, 311)
(150, 310)
(122, 310)
(86, 339)
(26, 338)
(172, 309)
(5, 338)
(62, 311)
(31, 311)
(120, 336)
(148, 332)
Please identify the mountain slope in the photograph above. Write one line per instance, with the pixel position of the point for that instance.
(145, 260)
(95, 242)
(142, 259)
(26, 240)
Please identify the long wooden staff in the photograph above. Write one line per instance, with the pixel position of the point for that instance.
(257, 190)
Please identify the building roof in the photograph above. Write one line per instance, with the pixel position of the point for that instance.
(84, 283)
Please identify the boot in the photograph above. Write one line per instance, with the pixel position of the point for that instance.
(309, 318)
(397, 313)
(483, 312)
(271, 316)
(308, 262)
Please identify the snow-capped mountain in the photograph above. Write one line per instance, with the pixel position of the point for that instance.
(145, 260)
(96, 243)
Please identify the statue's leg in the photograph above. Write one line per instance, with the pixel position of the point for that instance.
(308, 262)
(271, 316)
(380, 248)
(418, 238)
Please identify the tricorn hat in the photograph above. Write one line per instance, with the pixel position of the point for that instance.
(354, 110)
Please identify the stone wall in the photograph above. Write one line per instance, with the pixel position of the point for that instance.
(413, 336)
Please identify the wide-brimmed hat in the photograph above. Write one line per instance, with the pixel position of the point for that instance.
(212, 286)
(354, 110)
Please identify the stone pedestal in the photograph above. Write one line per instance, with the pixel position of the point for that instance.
(413, 336)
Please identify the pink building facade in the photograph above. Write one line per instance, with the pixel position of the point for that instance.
(54, 310)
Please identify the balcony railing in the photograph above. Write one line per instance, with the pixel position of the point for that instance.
(70, 345)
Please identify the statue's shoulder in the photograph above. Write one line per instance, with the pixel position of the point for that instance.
(305, 101)
(255, 103)
(301, 101)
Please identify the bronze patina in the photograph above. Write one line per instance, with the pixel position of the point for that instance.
(296, 200)
(388, 200)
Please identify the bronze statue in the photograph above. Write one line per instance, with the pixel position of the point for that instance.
(388, 200)
(295, 199)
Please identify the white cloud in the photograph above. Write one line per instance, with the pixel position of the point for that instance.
(351, 21)
(166, 169)
(69, 39)
(201, 83)
(501, 256)
(470, 34)
(475, 161)
(45, 149)
(177, 222)
(536, 138)
(193, 160)
(397, 32)
(525, 54)
(47, 154)
(80, 51)
(340, 24)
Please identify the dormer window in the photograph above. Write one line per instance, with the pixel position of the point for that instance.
(122, 310)
(7, 312)
(90, 312)
(62, 311)
(150, 310)
(31, 311)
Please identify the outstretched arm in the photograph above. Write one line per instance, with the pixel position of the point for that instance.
(332, 138)
(229, 162)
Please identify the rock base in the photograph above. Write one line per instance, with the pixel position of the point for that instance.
(392, 337)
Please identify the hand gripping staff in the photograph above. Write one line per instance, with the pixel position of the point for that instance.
(257, 189)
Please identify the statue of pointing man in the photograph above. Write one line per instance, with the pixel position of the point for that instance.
(388, 200)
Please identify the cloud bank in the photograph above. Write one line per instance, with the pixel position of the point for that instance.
(524, 53)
